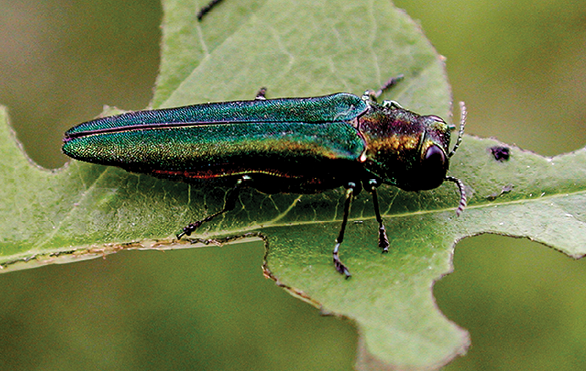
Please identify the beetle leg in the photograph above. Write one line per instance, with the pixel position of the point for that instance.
(374, 95)
(206, 9)
(262, 94)
(340, 267)
(229, 205)
(383, 240)
(389, 84)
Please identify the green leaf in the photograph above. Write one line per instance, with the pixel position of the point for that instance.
(304, 48)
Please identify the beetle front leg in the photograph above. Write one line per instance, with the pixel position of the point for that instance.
(228, 206)
(340, 267)
(383, 240)
(372, 95)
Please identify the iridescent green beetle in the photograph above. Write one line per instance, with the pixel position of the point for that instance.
(287, 145)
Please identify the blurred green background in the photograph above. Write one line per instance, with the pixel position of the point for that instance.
(521, 68)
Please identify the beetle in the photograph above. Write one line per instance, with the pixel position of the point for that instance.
(286, 145)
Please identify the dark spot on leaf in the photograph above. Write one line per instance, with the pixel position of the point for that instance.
(500, 153)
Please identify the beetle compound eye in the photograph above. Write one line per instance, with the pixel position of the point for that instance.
(433, 168)
(434, 158)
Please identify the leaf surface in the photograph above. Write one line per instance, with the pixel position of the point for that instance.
(304, 48)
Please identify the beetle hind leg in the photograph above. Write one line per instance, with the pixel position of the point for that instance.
(228, 206)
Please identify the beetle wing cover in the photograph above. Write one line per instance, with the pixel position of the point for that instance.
(293, 137)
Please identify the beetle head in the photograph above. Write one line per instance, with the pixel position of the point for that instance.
(405, 149)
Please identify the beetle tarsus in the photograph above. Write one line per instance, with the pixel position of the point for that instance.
(387, 85)
(383, 240)
(340, 267)
(189, 229)
(261, 94)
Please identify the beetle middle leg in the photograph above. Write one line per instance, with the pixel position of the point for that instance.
(228, 206)
(383, 240)
(340, 267)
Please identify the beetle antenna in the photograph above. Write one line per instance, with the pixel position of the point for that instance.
(460, 185)
(463, 114)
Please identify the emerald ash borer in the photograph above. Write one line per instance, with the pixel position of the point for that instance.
(286, 145)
